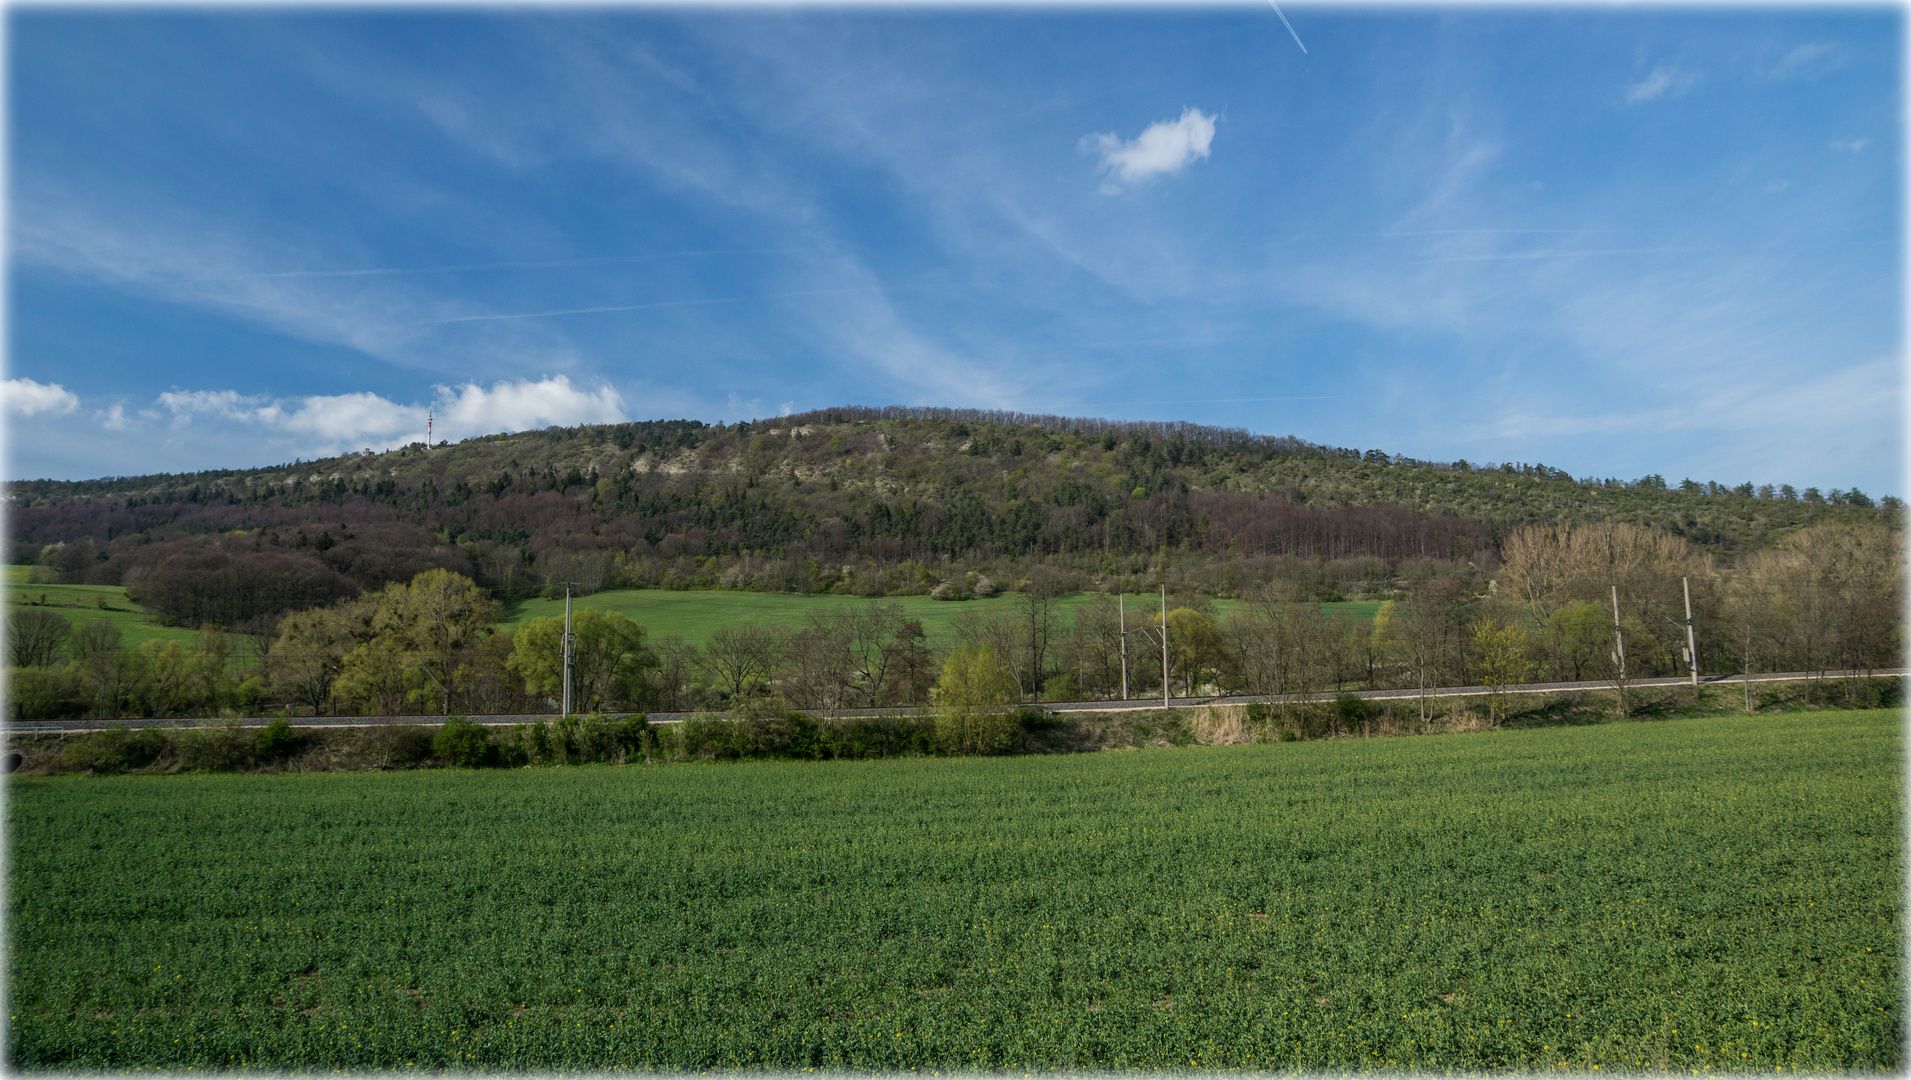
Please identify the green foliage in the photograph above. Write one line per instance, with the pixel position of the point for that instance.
(116, 749)
(396, 745)
(463, 744)
(1200, 655)
(608, 659)
(1063, 687)
(46, 693)
(411, 643)
(973, 699)
(974, 680)
(1633, 898)
(276, 740)
(795, 736)
(219, 746)
(1350, 711)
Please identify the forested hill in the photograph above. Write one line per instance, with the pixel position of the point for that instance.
(906, 492)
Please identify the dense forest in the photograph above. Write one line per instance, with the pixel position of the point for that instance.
(891, 501)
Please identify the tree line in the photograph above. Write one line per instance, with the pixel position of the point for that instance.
(1825, 599)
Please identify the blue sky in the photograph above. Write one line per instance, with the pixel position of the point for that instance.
(1618, 241)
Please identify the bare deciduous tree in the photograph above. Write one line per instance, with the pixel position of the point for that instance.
(737, 658)
(36, 638)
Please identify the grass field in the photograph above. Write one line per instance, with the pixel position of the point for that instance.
(81, 605)
(1718, 894)
(694, 616)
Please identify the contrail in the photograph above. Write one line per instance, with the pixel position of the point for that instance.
(1196, 401)
(537, 264)
(1557, 254)
(581, 311)
(647, 307)
(1289, 25)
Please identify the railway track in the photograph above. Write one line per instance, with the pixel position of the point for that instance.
(72, 727)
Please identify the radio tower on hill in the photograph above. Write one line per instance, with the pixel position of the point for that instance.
(427, 429)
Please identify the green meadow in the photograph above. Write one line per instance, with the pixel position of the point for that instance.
(82, 604)
(1715, 895)
(694, 616)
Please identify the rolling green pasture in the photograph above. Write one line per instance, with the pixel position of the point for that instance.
(80, 605)
(694, 616)
(1717, 894)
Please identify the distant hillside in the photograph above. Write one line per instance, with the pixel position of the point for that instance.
(905, 498)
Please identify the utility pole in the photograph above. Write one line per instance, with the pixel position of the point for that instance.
(1619, 650)
(1618, 639)
(567, 649)
(428, 417)
(1691, 642)
(1122, 605)
(1164, 646)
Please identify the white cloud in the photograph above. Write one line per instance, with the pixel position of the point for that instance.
(519, 406)
(1665, 79)
(1852, 145)
(348, 419)
(225, 404)
(330, 423)
(1165, 147)
(26, 397)
(114, 419)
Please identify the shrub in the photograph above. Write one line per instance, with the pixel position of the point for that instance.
(223, 746)
(276, 741)
(594, 737)
(635, 735)
(1063, 687)
(531, 744)
(1350, 711)
(963, 732)
(463, 744)
(116, 749)
(393, 746)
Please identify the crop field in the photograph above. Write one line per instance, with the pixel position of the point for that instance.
(81, 604)
(694, 616)
(1718, 894)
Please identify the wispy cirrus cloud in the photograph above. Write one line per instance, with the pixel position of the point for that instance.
(1807, 60)
(1666, 80)
(183, 257)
